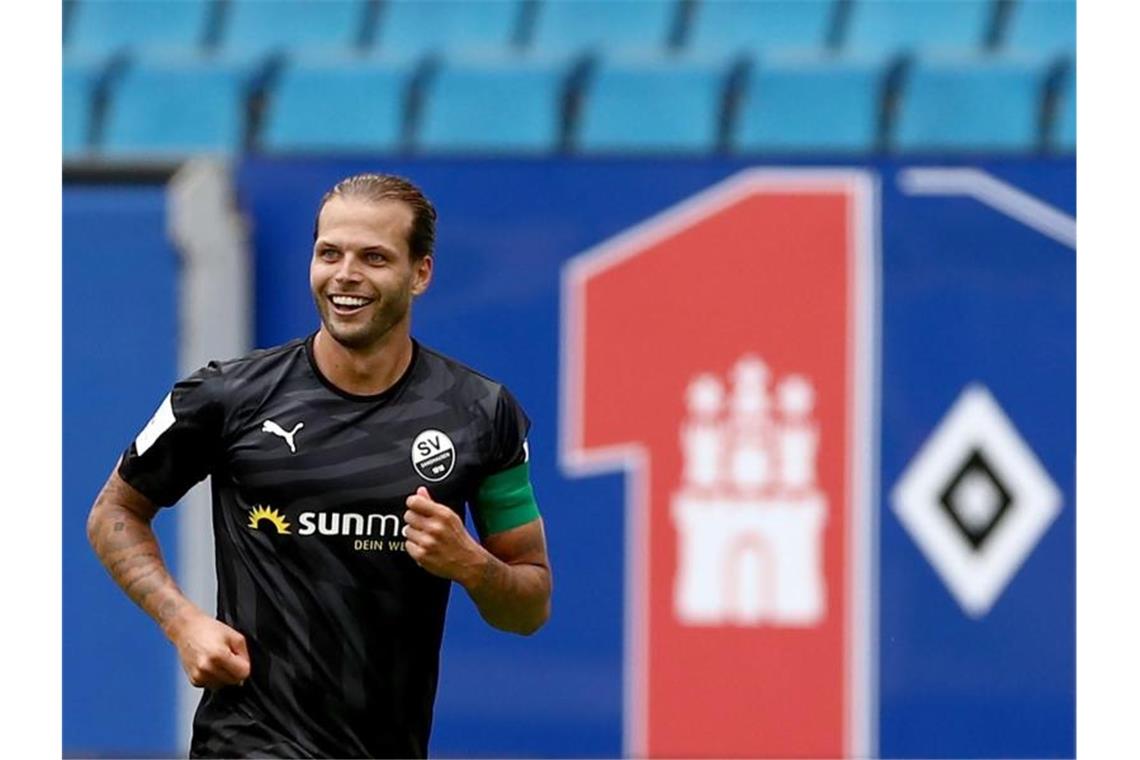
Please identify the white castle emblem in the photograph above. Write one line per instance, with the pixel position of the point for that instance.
(749, 514)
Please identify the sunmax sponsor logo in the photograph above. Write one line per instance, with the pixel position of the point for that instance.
(373, 532)
(376, 527)
(350, 524)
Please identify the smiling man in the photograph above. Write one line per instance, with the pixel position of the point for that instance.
(342, 466)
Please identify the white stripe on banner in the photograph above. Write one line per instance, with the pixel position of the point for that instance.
(1001, 196)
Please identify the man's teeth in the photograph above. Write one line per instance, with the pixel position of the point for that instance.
(349, 301)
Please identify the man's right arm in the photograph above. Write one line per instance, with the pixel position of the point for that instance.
(119, 529)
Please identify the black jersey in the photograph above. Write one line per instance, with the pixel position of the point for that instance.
(309, 484)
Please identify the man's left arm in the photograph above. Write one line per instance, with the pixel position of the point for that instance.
(508, 576)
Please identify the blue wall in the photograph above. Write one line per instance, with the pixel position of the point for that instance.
(119, 359)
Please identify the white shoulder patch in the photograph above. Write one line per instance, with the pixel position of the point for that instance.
(526, 451)
(159, 424)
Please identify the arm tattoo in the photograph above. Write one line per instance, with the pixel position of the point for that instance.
(127, 547)
(513, 593)
(494, 574)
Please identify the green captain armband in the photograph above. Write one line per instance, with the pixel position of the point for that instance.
(505, 501)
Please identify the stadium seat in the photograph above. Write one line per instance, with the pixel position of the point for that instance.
(810, 103)
(409, 28)
(80, 77)
(109, 26)
(725, 28)
(337, 104)
(165, 107)
(569, 27)
(970, 104)
(1064, 131)
(652, 105)
(1044, 27)
(897, 26)
(255, 28)
(493, 105)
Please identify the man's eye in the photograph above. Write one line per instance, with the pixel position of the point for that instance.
(376, 258)
(328, 253)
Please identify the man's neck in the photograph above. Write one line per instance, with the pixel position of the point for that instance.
(363, 372)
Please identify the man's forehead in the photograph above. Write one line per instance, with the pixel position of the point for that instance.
(352, 217)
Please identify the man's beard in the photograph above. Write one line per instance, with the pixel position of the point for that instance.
(389, 311)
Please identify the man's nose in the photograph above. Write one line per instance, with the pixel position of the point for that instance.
(348, 271)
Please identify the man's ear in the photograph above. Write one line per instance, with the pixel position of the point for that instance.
(422, 271)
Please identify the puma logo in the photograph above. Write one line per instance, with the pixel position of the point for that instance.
(269, 426)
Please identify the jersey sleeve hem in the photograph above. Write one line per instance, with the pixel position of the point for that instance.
(139, 484)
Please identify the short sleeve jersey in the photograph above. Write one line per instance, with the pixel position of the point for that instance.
(308, 485)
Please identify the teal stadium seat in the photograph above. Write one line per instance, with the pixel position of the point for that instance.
(898, 26)
(570, 27)
(1064, 132)
(80, 77)
(970, 104)
(171, 107)
(105, 27)
(725, 28)
(805, 102)
(493, 104)
(652, 105)
(256, 28)
(1046, 27)
(337, 104)
(411, 28)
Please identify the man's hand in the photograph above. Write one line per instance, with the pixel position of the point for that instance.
(437, 540)
(213, 654)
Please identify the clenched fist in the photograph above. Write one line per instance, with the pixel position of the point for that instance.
(437, 540)
(212, 654)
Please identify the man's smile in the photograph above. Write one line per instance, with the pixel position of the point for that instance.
(344, 305)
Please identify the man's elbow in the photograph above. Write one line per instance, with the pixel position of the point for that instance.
(524, 620)
(542, 614)
(533, 623)
(539, 620)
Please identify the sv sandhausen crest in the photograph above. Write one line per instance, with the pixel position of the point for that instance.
(433, 455)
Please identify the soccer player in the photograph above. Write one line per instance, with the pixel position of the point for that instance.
(341, 464)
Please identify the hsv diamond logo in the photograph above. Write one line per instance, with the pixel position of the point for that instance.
(720, 355)
(976, 500)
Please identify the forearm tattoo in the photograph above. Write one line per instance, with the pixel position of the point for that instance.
(127, 547)
(516, 596)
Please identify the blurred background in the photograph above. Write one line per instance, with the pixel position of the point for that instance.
(638, 200)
